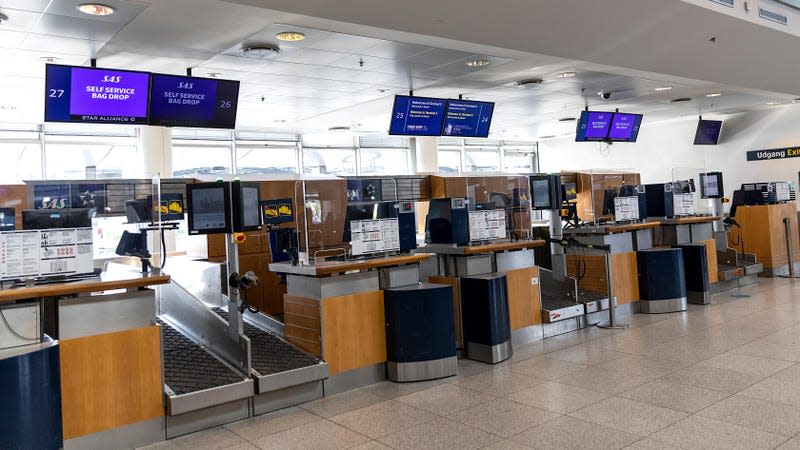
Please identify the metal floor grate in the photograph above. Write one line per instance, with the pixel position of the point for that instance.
(270, 354)
(188, 368)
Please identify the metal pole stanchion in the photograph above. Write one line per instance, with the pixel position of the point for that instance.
(787, 223)
(612, 301)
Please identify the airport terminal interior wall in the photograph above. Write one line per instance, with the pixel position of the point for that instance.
(668, 145)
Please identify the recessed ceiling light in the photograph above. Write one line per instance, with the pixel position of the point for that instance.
(96, 9)
(663, 88)
(213, 74)
(773, 103)
(383, 91)
(567, 119)
(714, 94)
(339, 129)
(280, 121)
(565, 75)
(549, 136)
(50, 59)
(290, 36)
(260, 51)
(3, 18)
(533, 82)
(680, 100)
(478, 63)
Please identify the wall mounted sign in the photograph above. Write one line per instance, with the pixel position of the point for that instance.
(775, 153)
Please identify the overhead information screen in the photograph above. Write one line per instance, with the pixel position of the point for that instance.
(468, 118)
(624, 127)
(417, 116)
(593, 126)
(90, 95)
(193, 102)
(708, 132)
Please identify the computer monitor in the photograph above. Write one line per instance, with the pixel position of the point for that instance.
(545, 192)
(708, 132)
(711, 185)
(8, 219)
(246, 203)
(45, 219)
(209, 208)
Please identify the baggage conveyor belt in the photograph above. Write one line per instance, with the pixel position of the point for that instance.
(269, 353)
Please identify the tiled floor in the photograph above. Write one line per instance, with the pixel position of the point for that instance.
(725, 376)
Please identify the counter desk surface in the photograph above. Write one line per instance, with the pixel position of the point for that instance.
(107, 281)
(328, 268)
(689, 220)
(478, 249)
(611, 229)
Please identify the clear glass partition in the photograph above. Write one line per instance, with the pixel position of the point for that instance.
(502, 192)
(598, 188)
(690, 176)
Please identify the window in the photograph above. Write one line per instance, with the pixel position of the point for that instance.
(384, 161)
(73, 153)
(519, 157)
(449, 161)
(266, 153)
(199, 151)
(22, 156)
(333, 161)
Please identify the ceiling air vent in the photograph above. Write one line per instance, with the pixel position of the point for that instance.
(772, 16)
(728, 3)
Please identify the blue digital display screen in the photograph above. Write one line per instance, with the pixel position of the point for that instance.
(468, 118)
(624, 127)
(708, 132)
(178, 101)
(593, 126)
(417, 116)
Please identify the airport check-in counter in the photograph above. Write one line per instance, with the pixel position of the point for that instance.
(770, 233)
(590, 267)
(513, 259)
(335, 310)
(109, 354)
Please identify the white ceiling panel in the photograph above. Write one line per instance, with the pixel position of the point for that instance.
(60, 45)
(19, 20)
(77, 27)
(124, 11)
(26, 5)
(347, 43)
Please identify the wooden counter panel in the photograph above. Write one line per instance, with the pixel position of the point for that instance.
(502, 247)
(524, 298)
(330, 268)
(625, 275)
(711, 257)
(353, 331)
(764, 235)
(111, 380)
(107, 282)
(457, 320)
(691, 220)
(302, 323)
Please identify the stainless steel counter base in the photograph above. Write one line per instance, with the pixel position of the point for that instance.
(489, 354)
(527, 335)
(207, 418)
(128, 436)
(422, 370)
(352, 379)
(727, 285)
(286, 397)
(663, 306)
(698, 298)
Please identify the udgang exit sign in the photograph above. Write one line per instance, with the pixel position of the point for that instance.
(775, 153)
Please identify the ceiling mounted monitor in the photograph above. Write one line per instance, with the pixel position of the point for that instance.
(467, 118)
(624, 127)
(593, 126)
(92, 95)
(417, 116)
(708, 132)
(178, 101)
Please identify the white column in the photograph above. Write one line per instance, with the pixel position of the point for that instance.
(156, 145)
(425, 154)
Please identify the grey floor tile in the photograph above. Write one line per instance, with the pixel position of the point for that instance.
(755, 413)
(776, 390)
(751, 365)
(586, 354)
(371, 445)
(791, 444)
(440, 434)
(602, 380)
(722, 380)
(701, 432)
(503, 417)
(680, 397)
(557, 397)
(212, 439)
(257, 427)
(629, 416)
(342, 403)
(500, 381)
(242, 446)
(505, 444)
(445, 399)
(382, 418)
(546, 368)
(644, 366)
(321, 434)
(650, 444)
(571, 433)
(390, 389)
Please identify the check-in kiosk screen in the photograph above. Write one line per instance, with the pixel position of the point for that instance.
(208, 209)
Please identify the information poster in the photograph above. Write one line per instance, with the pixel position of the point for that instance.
(684, 204)
(626, 209)
(193, 102)
(85, 94)
(374, 236)
(468, 118)
(39, 253)
(487, 225)
(417, 116)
